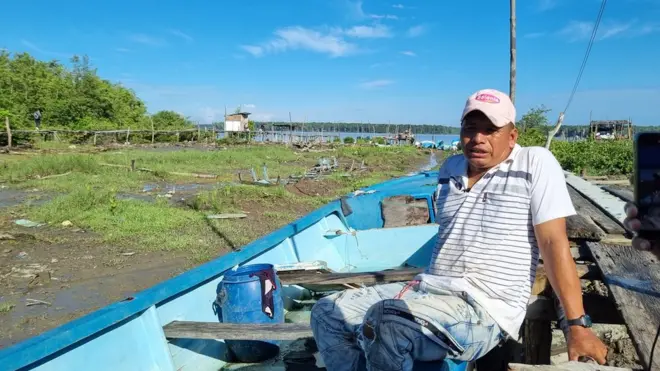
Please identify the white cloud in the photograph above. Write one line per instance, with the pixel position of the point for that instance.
(383, 16)
(417, 30)
(356, 11)
(300, 38)
(44, 51)
(582, 30)
(249, 105)
(146, 39)
(398, 6)
(257, 51)
(122, 50)
(409, 53)
(182, 35)
(376, 84)
(377, 31)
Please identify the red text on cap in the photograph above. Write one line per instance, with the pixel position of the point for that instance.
(488, 98)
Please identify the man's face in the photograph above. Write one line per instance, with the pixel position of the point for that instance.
(484, 144)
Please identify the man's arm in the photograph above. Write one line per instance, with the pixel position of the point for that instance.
(550, 205)
(562, 273)
(559, 265)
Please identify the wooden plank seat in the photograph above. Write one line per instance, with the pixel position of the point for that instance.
(539, 307)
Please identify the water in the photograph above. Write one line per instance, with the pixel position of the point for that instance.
(283, 136)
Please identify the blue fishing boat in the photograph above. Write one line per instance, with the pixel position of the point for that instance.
(178, 324)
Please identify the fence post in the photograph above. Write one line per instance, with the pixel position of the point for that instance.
(95, 138)
(128, 133)
(153, 133)
(8, 131)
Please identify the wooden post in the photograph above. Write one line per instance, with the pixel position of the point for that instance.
(95, 138)
(198, 133)
(177, 137)
(153, 132)
(128, 133)
(8, 131)
(512, 41)
(132, 165)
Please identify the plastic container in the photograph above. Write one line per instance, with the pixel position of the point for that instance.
(241, 302)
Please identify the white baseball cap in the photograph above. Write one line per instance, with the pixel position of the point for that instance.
(496, 105)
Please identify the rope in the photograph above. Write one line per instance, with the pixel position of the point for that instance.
(586, 55)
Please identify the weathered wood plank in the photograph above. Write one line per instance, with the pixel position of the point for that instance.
(611, 205)
(582, 227)
(386, 276)
(401, 211)
(568, 366)
(537, 341)
(312, 277)
(623, 194)
(587, 209)
(233, 331)
(625, 268)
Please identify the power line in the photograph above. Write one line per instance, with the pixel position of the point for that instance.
(586, 55)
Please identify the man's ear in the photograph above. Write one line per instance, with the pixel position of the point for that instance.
(513, 136)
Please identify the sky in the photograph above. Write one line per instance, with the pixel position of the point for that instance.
(400, 61)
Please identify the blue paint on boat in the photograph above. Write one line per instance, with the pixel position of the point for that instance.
(241, 301)
(346, 234)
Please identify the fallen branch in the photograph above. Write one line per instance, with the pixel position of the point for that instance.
(31, 302)
(53, 176)
(195, 175)
(554, 131)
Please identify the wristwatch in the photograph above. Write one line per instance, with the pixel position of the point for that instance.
(584, 321)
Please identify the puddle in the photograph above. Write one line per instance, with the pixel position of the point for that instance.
(13, 197)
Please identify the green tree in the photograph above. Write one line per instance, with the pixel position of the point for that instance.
(170, 120)
(73, 98)
(535, 118)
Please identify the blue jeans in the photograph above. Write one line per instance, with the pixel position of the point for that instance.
(369, 329)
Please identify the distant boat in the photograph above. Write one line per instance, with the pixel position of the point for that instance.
(390, 225)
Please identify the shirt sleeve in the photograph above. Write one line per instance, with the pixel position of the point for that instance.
(550, 197)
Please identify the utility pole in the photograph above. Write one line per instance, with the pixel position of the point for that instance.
(512, 41)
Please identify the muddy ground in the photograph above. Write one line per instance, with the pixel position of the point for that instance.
(52, 274)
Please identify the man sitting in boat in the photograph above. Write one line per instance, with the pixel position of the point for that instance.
(498, 205)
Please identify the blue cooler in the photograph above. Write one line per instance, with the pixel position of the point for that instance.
(241, 295)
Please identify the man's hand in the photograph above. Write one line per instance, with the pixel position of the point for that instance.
(634, 224)
(583, 342)
(562, 273)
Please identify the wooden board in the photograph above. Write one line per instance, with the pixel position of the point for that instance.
(386, 276)
(234, 331)
(641, 311)
(623, 194)
(583, 228)
(587, 209)
(568, 366)
(401, 211)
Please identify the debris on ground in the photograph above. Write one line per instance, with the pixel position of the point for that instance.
(21, 255)
(67, 223)
(130, 253)
(28, 223)
(226, 216)
(6, 236)
(30, 302)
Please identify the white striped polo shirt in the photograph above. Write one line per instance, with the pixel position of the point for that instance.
(486, 243)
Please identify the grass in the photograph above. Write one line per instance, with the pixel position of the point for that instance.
(88, 195)
(6, 307)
